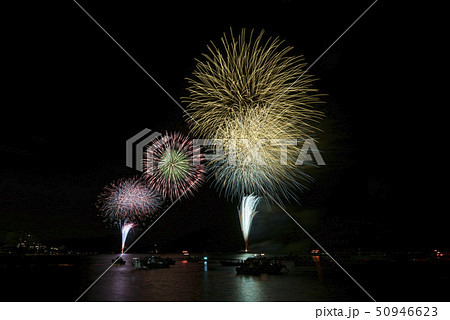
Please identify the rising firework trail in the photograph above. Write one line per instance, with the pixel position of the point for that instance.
(125, 229)
(128, 202)
(247, 211)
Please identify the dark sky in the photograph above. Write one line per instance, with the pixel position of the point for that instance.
(72, 98)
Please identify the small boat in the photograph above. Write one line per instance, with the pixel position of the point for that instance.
(257, 266)
(150, 263)
(118, 261)
(231, 262)
(194, 259)
(302, 260)
(136, 263)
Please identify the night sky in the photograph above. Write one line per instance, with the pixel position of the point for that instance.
(72, 98)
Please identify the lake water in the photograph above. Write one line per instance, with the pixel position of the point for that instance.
(203, 281)
(210, 281)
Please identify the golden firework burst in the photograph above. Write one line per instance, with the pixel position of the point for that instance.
(250, 92)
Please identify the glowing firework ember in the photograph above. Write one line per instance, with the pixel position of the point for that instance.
(173, 166)
(248, 94)
(128, 202)
(246, 213)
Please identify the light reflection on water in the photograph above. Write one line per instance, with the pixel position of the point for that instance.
(203, 281)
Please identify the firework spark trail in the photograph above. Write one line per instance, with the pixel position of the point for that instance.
(125, 230)
(231, 98)
(247, 212)
(131, 245)
(130, 200)
(172, 164)
(251, 162)
(244, 76)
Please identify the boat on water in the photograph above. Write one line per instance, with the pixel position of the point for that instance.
(152, 262)
(302, 260)
(231, 262)
(194, 259)
(118, 261)
(257, 266)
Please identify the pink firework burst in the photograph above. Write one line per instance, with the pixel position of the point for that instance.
(173, 166)
(130, 200)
